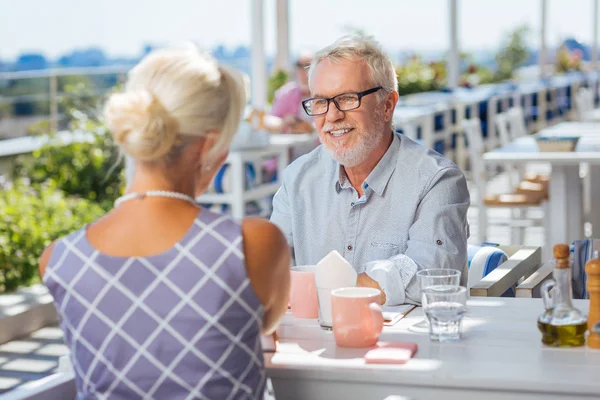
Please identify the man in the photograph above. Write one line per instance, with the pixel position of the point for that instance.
(389, 205)
(287, 104)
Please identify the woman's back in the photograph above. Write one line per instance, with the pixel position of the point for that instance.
(159, 299)
(184, 323)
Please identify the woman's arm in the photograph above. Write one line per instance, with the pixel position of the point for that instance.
(268, 264)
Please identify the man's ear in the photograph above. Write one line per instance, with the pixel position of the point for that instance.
(389, 105)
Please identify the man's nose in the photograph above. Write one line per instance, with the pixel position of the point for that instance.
(333, 114)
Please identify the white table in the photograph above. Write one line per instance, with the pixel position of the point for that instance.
(500, 357)
(566, 199)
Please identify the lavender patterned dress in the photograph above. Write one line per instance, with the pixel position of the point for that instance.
(183, 324)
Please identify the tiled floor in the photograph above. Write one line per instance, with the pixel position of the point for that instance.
(30, 358)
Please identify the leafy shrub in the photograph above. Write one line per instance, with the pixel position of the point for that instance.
(31, 220)
(276, 80)
(416, 76)
(90, 169)
(79, 169)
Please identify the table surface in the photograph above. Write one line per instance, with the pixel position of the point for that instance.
(501, 349)
(524, 150)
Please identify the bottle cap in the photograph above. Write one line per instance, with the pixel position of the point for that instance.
(561, 250)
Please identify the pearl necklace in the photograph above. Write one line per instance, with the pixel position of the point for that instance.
(155, 193)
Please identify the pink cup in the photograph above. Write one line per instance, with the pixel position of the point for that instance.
(357, 316)
(303, 293)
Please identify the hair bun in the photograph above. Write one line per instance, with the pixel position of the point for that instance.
(140, 124)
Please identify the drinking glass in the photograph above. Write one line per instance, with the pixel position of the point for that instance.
(445, 307)
(434, 277)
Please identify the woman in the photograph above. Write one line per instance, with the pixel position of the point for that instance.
(161, 298)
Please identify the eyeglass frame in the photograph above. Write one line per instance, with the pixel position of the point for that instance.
(330, 99)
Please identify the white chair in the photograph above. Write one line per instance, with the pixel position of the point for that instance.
(516, 122)
(492, 277)
(517, 128)
(584, 103)
(60, 386)
(520, 199)
(511, 126)
(505, 137)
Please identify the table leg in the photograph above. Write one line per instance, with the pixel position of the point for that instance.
(566, 205)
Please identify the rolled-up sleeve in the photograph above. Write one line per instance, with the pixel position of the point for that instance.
(437, 239)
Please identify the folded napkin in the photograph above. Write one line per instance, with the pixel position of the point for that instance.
(583, 251)
(333, 272)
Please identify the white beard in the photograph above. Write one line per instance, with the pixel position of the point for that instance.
(351, 157)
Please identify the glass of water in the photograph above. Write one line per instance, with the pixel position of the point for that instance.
(434, 277)
(445, 307)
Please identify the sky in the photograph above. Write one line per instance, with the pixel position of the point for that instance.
(123, 27)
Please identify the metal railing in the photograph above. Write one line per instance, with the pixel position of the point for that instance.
(53, 96)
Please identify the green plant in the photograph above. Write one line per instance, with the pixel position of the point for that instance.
(31, 220)
(416, 76)
(513, 53)
(90, 169)
(276, 80)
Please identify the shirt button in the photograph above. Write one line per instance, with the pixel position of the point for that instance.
(349, 247)
(351, 204)
(438, 242)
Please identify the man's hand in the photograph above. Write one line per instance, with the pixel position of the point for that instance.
(364, 280)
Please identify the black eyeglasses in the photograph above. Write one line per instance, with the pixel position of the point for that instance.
(344, 102)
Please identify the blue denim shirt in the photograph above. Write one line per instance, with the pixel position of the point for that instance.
(413, 215)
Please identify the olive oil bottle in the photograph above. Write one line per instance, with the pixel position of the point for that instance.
(561, 325)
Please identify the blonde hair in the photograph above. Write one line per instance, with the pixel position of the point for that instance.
(173, 95)
(366, 49)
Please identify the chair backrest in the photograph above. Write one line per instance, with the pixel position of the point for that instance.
(484, 259)
(60, 386)
(502, 128)
(584, 102)
(476, 148)
(516, 122)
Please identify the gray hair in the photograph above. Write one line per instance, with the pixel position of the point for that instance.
(367, 49)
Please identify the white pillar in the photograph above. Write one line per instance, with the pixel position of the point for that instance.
(282, 60)
(453, 62)
(259, 65)
(542, 51)
(595, 36)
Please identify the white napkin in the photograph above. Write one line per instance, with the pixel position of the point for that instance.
(332, 272)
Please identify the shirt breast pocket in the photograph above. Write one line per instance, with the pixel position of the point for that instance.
(381, 250)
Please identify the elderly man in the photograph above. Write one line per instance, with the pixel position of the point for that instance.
(389, 205)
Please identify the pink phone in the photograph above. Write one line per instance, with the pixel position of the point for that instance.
(391, 353)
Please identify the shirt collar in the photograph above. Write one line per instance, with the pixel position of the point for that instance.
(381, 174)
